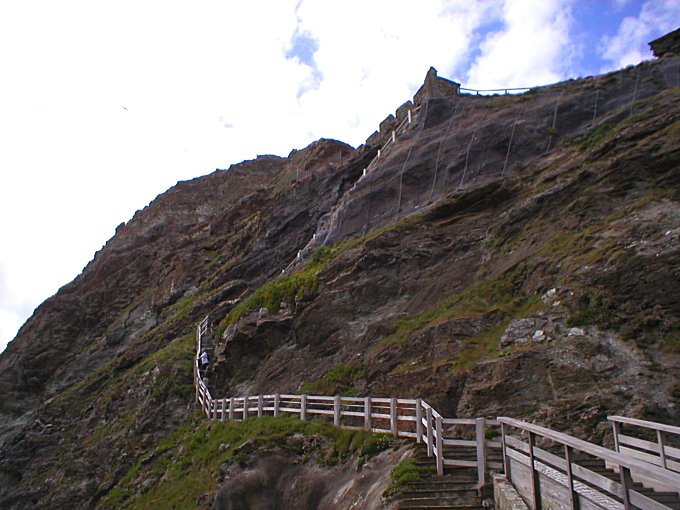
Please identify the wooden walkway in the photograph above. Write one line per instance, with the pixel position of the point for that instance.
(545, 467)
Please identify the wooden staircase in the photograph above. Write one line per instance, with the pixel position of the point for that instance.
(669, 499)
(456, 488)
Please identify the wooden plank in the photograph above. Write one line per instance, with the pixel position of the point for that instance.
(459, 421)
(645, 424)
(664, 476)
(328, 412)
(644, 503)
(336, 411)
(536, 493)
(419, 406)
(367, 413)
(393, 417)
(460, 442)
(494, 444)
(639, 443)
(460, 463)
(573, 496)
(440, 449)
(607, 485)
(428, 430)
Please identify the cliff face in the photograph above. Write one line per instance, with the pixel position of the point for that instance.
(512, 255)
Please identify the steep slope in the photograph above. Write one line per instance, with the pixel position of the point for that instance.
(506, 255)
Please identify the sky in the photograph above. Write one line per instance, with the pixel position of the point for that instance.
(105, 105)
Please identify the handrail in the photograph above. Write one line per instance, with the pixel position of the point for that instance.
(645, 424)
(662, 475)
(656, 453)
(402, 417)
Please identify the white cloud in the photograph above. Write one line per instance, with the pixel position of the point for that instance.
(629, 45)
(532, 48)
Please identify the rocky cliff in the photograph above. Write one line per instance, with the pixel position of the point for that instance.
(512, 255)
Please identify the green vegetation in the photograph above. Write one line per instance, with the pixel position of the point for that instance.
(406, 472)
(288, 288)
(339, 380)
(186, 463)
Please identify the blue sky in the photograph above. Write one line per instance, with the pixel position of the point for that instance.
(105, 105)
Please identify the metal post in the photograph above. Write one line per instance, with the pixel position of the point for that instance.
(480, 426)
(277, 403)
(303, 407)
(428, 414)
(535, 482)
(393, 417)
(336, 410)
(440, 447)
(419, 418)
(568, 456)
(367, 413)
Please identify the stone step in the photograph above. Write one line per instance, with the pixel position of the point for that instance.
(429, 503)
(439, 493)
(442, 485)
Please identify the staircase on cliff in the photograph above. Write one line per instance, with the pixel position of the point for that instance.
(667, 499)
(456, 488)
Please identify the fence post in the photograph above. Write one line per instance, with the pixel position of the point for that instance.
(440, 447)
(393, 417)
(617, 430)
(224, 409)
(419, 402)
(409, 116)
(394, 137)
(626, 482)
(568, 456)
(303, 407)
(428, 414)
(506, 459)
(246, 401)
(231, 408)
(480, 425)
(662, 448)
(535, 482)
(336, 410)
(259, 406)
(367, 413)
(277, 403)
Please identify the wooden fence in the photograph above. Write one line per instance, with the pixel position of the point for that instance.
(413, 418)
(573, 472)
(543, 465)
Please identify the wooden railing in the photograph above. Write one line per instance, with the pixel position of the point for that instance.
(567, 472)
(400, 417)
(571, 476)
(658, 452)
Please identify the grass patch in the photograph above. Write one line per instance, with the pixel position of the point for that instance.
(288, 288)
(406, 472)
(481, 298)
(339, 380)
(185, 464)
